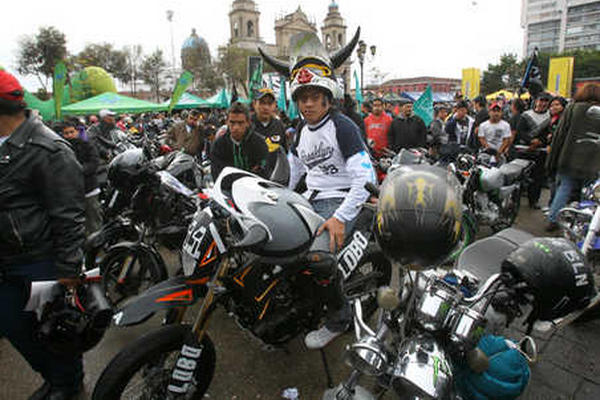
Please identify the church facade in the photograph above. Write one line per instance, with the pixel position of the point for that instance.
(244, 19)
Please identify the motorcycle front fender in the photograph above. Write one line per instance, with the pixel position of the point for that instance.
(179, 291)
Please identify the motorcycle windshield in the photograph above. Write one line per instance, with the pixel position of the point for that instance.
(174, 184)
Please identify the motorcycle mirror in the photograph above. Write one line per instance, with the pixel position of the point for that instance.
(388, 298)
(593, 112)
(478, 361)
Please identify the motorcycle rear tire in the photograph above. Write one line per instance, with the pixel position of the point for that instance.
(148, 349)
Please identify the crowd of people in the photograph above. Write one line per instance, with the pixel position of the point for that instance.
(542, 130)
(50, 182)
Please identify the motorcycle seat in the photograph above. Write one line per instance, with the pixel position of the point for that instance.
(513, 170)
(484, 257)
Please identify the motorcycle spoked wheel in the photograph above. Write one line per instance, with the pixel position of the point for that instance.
(146, 272)
(143, 368)
(510, 212)
(373, 271)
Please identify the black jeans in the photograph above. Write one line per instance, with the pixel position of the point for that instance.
(538, 175)
(18, 327)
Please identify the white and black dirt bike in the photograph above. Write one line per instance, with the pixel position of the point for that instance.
(252, 248)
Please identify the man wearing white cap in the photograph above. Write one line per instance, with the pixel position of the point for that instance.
(106, 137)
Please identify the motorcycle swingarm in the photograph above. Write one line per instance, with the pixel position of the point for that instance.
(179, 291)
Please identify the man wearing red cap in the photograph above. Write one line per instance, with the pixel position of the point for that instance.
(42, 221)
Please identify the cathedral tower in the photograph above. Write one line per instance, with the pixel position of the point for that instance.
(244, 22)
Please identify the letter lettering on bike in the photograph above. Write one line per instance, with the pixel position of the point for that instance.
(351, 255)
(184, 369)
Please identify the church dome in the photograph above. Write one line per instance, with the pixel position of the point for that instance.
(194, 52)
(194, 41)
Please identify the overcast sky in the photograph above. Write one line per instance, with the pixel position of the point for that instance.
(413, 37)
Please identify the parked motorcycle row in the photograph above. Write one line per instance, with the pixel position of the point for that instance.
(248, 244)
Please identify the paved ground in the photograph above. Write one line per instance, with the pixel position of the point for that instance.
(568, 366)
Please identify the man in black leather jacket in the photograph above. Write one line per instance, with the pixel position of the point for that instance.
(42, 232)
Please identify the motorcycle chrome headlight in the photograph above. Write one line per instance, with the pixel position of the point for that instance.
(422, 370)
(367, 356)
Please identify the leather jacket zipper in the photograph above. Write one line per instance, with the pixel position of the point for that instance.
(15, 230)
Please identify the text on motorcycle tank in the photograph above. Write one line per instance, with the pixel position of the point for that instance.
(350, 256)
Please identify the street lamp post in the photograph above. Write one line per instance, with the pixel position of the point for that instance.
(170, 19)
(361, 52)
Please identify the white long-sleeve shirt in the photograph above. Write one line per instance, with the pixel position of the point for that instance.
(336, 162)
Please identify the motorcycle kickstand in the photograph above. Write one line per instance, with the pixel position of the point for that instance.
(326, 368)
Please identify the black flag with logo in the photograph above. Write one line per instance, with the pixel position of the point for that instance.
(234, 94)
(532, 80)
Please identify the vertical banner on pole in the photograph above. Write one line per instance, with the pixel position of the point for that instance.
(560, 75)
(470, 82)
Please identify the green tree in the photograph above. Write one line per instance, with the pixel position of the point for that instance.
(105, 56)
(151, 70)
(234, 63)
(37, 55)
(506, 74)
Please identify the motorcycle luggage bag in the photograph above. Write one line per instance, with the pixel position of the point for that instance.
(484, 257)
(513, 170)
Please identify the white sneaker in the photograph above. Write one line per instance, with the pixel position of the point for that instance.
(320, 338)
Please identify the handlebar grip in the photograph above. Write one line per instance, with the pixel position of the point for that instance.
(372, 189)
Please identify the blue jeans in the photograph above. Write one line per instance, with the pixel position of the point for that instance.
(326, 208)
(18, 327)
(565, 186)
(340, 318)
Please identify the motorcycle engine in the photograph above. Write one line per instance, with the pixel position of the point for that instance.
(490, 211)
(269, 305)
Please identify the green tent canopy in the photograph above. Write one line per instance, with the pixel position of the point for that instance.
(187, 100)
(114, 102)
(223, 100)
(45, 108)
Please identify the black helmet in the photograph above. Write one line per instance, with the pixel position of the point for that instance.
(126, 167)
(556, 274)
(419, 214)
(74, 322)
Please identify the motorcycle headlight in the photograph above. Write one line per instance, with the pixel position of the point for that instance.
(368, 356)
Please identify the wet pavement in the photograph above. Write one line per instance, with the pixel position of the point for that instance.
(568, 366)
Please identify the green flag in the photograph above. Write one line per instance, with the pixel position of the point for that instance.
(282, 100)
(58, 87)
(359, 96)
(423, 107)
(292, 111)
(255, 80)
(183, 82)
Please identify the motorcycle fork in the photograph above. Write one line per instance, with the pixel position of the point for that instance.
(130, 262)
(187, 363)
(215, 287)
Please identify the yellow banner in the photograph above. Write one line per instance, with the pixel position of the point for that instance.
(470, 82)
(560, 75)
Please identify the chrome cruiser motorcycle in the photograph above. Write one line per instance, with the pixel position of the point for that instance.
(425, 342)
(252, 249)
